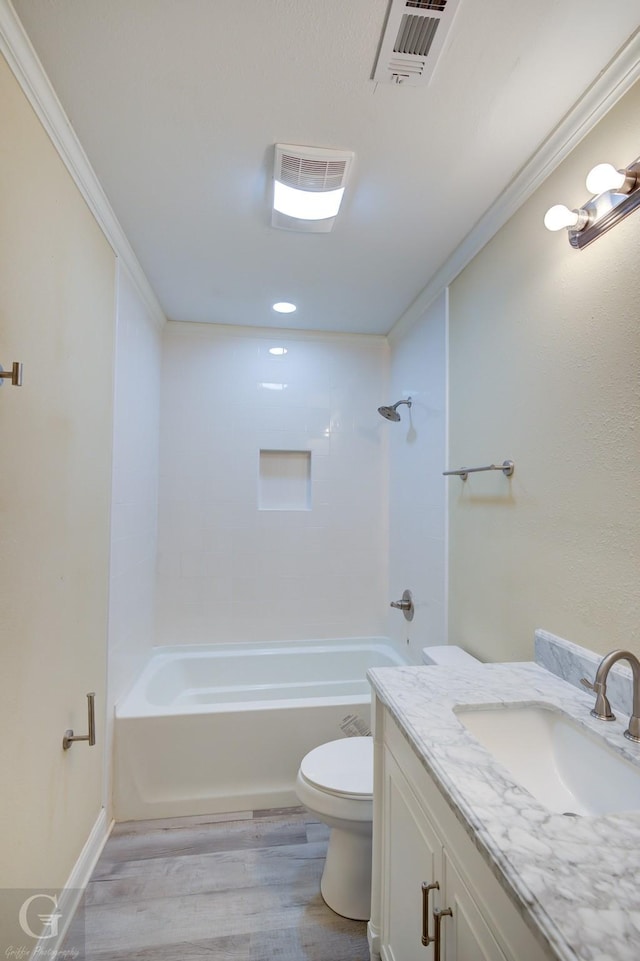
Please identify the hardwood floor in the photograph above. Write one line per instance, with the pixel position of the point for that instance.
(243, 887)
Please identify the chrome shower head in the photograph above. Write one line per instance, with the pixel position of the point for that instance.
(390, 413)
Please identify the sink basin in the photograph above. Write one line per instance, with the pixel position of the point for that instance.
(565, 767)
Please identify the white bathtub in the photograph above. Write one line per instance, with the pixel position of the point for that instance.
(224, 727)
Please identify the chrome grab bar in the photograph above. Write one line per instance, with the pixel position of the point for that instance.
(507, 467)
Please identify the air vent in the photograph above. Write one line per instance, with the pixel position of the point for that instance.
(312, 169)
(427, 4)
(416, 35)
(402, 70)
(415, 29)
(309, 174)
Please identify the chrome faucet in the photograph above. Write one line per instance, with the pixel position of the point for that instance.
(602, 708)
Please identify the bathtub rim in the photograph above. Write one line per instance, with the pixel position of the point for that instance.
(133, 705)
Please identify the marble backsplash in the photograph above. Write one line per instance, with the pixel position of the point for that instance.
(571, 662)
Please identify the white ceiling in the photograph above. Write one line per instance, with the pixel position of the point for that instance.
(178, 103)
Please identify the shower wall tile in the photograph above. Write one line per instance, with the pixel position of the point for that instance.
(229, 571)
(417, 489)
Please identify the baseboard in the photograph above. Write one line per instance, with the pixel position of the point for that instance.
(373, 939)
(132, 808)
(70, 895)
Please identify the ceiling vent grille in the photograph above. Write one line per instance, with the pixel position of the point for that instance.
(416, 35)
(417, 30)
(427, 4)
(313, 169)
(307, 174)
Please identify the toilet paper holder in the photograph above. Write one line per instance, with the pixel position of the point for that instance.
(70, 737)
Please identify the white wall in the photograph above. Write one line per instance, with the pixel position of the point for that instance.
(417, 489)
(134, 510)
(545, 367)
(228, 571)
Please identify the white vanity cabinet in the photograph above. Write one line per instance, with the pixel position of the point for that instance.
(417, 840)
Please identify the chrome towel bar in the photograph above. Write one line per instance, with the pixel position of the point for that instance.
(507, 467)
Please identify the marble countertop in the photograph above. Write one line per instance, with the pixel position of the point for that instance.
(575, 880)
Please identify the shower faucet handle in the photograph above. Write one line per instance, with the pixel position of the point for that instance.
(402, 605)
(405, 604)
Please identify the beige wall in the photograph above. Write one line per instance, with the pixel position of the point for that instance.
(57, 285)
(545, 369)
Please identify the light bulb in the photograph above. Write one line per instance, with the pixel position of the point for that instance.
(605, 177)
(560, 216)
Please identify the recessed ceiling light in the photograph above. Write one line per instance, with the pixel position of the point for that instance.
(278, 351)
(283, 307)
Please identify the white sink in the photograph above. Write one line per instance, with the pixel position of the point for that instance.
(568, 769)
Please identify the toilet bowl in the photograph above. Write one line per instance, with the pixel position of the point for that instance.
(335, 784)
(447, 654)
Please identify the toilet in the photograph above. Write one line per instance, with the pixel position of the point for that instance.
(335, 784)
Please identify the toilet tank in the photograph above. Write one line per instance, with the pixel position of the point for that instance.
(447, 654)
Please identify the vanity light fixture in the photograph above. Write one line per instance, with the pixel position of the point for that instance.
(278, 351)
(615, 194)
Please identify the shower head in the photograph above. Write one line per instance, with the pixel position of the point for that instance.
(390, 413)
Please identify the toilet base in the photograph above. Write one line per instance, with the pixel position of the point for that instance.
(346, 879)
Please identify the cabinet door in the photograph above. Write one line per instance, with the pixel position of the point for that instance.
(465, 935)
(412, 855)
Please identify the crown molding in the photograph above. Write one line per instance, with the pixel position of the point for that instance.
(29, 72)
(609, 87)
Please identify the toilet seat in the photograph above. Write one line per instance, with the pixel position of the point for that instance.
(342, 768)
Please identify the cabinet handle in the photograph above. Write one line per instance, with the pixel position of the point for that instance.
(438, 915)
(426, 940)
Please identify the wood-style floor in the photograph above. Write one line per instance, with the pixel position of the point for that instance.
(238, 887)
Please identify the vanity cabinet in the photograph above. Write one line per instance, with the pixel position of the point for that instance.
(418, 840)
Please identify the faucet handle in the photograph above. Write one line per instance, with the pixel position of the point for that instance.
(602, 708)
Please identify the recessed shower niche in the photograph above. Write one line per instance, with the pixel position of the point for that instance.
(284, 480)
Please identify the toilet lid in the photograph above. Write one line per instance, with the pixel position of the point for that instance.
(343, 767)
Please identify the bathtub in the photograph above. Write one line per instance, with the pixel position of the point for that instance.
(223, 728)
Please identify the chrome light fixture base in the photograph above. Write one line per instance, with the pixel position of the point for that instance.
(607, 209)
